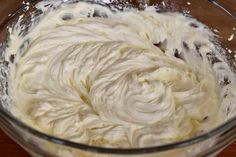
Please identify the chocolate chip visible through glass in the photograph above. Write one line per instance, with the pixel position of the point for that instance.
(89, 15)
(161, 45)
(194, 25)
(96, 14)
(228, 110)
(212, 58)
(177, 54)
(198, 45)
(24, 46)
(5, 63)
(157, 44)
(226, 81)
(67, 16)
(99, 14)
(185, 45)
(205, 118)
(6, 90)
(12, 58)
(225, 95)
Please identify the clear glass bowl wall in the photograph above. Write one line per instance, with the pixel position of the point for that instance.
(39, 144)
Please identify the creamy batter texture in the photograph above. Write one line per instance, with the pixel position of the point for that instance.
(108, 78)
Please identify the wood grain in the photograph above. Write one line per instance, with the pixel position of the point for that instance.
(8, 148)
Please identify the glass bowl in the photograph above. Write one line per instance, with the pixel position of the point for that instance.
(218, 15)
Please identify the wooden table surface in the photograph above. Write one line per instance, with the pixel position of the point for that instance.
(8, 148)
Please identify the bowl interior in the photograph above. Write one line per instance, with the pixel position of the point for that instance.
(219, 21)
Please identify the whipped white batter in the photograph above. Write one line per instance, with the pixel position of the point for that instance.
(116, 79)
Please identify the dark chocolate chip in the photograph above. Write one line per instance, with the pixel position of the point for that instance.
(96, 14)
(67, 16)
(6, 88)
(99, 14)
(185, 45)
(12, 58)
(177, 54)
(228, 110)
(225, 95)
(47, 5)
(5, 63)
(89, 15)
(161, 45)
(194, 25)
(212, 58)
(205, 118)
(157, 44)
(23, 46)
(197, 46)
(226, 81)
(200, 54)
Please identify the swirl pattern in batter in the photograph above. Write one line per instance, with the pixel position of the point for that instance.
(115, 79)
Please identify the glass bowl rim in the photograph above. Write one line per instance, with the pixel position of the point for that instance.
(230, 124)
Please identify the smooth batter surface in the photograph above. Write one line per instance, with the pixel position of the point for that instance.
(115, 79)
